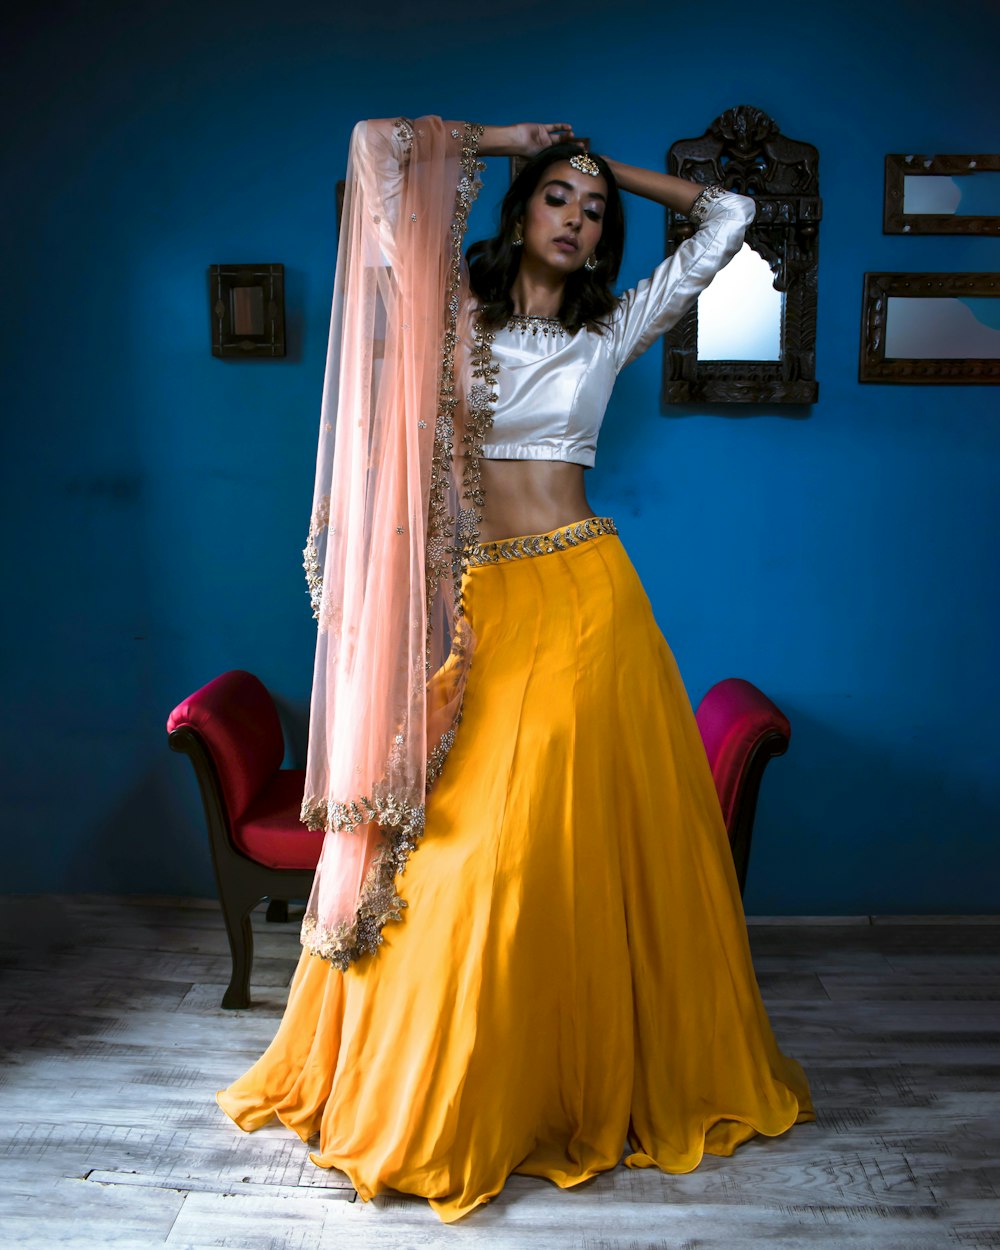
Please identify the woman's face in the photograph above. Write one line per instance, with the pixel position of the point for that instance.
(564, 218)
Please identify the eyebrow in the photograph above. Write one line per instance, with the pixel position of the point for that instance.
(558, 182)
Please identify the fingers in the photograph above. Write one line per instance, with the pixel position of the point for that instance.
(539, 135)
(557, 132)
(560, 132)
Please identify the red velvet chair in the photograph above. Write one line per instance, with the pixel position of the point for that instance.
(741, 729)
(231, 731)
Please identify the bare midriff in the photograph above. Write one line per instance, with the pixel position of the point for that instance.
(531, 497)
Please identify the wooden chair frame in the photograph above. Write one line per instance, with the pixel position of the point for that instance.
(242, 883)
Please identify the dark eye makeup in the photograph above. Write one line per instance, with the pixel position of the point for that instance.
(554, 201)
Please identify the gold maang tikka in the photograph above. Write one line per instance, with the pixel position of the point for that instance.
(585, 164)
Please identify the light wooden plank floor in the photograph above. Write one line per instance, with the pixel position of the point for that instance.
(114, 1043)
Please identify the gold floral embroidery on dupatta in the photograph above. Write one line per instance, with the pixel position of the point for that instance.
(440, 523)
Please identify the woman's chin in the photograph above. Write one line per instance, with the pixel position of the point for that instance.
(561, 263)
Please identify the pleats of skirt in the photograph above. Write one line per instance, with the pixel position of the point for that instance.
(572, 973)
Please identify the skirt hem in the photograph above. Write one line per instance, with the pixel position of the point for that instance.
(451, 1210)
(261, 1118)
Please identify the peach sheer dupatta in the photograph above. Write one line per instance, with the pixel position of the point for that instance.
(396, 500)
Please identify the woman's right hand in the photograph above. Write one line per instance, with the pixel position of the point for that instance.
(524, 138)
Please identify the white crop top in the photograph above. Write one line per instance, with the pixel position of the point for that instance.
(553, 387)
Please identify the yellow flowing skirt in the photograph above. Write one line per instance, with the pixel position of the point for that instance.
(572, 971)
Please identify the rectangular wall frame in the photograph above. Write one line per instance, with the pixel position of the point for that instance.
(875, 366)
(899, 167)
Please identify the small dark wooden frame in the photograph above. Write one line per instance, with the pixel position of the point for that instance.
(744, 150)
(898, 167)
(873, 365)
(241, 882)
(266, 285)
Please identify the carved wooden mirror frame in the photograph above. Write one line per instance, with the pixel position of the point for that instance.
(873, 366)
(744, 150)
(898, 167)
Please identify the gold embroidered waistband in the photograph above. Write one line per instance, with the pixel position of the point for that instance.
(539, 544)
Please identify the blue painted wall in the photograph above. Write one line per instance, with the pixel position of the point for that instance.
(155, 499)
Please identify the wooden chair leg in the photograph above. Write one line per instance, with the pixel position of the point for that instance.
(277, 911)
(240, 933)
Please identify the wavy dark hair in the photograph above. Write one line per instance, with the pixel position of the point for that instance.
(493, 263)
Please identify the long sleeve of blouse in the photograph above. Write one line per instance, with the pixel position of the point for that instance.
(658, 302)
(553, 388)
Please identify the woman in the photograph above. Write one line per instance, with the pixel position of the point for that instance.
(496, 711)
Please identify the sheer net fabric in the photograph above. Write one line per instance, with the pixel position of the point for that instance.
(395, 501)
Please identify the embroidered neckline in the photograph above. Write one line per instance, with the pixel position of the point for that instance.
(535, 325)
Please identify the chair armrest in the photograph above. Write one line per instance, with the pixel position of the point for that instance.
(742, 729)
(235, 718)
(738, 723)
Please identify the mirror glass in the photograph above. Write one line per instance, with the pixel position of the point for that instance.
(247, 311)
(942, 328)
(739, 314)
(964, 195)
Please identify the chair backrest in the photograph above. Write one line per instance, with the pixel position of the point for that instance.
(236, 718)
(733, 717)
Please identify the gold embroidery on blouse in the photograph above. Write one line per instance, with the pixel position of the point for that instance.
(540, 544)
(536, 325)
(704, 200)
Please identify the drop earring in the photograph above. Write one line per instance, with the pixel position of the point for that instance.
(517, 239)
(590, 263)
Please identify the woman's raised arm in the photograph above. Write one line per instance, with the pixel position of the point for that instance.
(678, 194)
(524, 138)
(530, 138)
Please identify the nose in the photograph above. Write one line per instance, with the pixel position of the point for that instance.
(574, 217)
